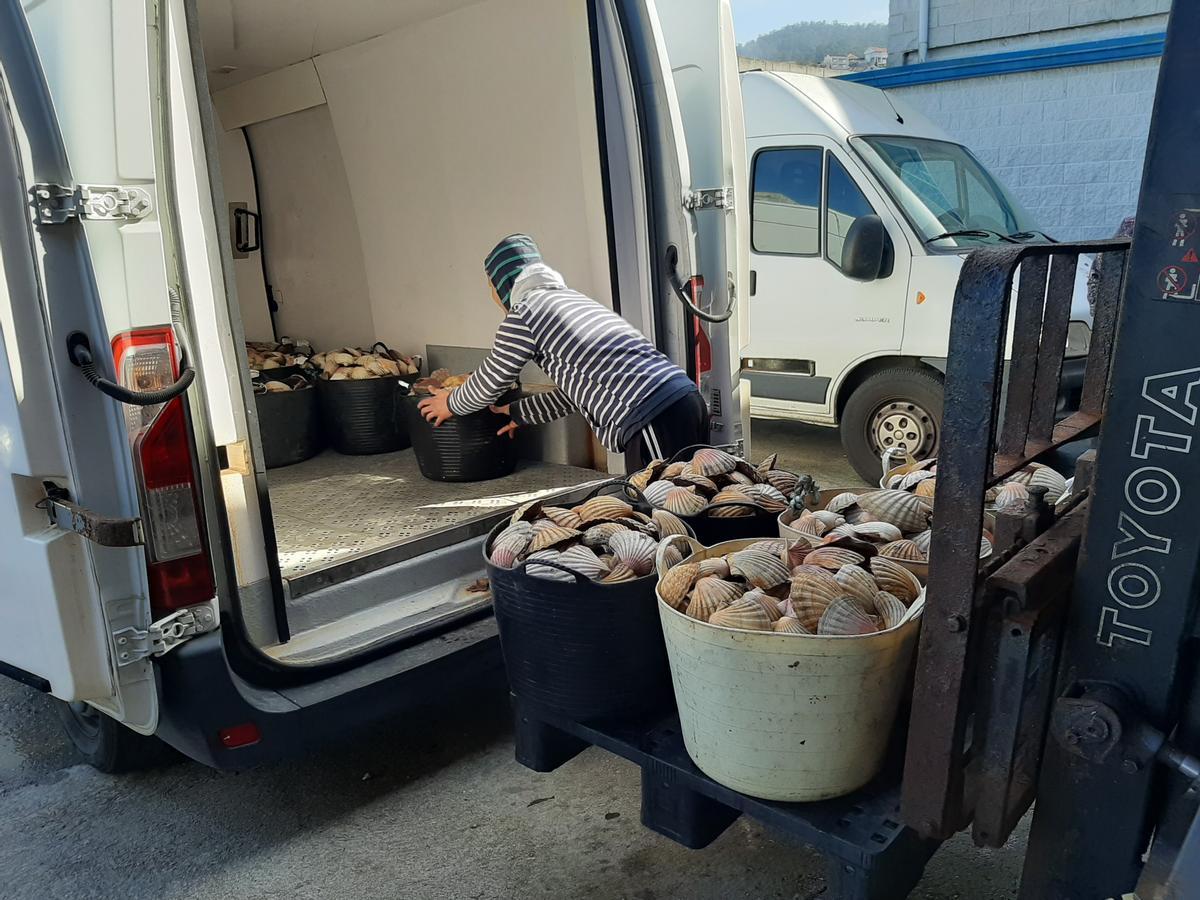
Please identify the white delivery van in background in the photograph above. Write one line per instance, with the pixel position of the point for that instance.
(862, 212)
(160, 581)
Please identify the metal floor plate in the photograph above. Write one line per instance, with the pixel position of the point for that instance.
(335, 508)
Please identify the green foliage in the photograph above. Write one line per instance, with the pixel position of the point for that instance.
(809, 42)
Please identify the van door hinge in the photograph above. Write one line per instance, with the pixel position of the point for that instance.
(56, 203)
(709, 198)
(163, 636)
(102, 530)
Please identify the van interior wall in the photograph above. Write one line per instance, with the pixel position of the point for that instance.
(434, 141)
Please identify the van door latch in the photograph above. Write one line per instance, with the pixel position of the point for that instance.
(56, 203)
(102, 530)
(709, 198)
(163, 636)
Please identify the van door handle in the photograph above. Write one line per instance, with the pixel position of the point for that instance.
(753, 282)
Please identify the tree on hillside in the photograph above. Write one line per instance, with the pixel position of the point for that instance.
(810, 42)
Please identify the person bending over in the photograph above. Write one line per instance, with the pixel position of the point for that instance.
(633, 397)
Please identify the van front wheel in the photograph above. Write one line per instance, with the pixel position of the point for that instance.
(897, 408)
(105, 743)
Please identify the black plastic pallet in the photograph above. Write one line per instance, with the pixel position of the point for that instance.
(869, 854)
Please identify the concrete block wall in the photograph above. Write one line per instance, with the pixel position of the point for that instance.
(968, 27)
(1068, 143)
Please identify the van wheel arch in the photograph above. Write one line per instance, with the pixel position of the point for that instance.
(884, 398)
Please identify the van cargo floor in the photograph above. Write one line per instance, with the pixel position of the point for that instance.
(334, 508)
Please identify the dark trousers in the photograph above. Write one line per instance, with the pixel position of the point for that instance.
(682, 424)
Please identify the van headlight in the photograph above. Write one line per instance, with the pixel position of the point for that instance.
(1079, 339)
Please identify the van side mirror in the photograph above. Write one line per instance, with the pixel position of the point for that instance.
(867, 252)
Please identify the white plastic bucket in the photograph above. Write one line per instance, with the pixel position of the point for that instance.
(782, 716)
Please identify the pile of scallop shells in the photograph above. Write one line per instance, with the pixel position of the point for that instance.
(920, 479)
(354, 364)
(295, 382)
(789, 587)
(441, 379)
(262, 356)
(604, 539)
(897, 523)
(712, 478)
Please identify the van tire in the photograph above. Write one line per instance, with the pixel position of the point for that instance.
(106, 744)
(889, 395)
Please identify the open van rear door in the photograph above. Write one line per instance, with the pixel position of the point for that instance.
(681, 59)
(82, 253)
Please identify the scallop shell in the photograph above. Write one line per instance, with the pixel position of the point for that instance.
(667, 523)
(598, 535)
(642, 478)
(715, 566)
(809, 612)
(674, 470)
(706, 485)
(510, 544)
(1013, 495)
(923, 539)
(526, 512)
(857, 582)
(567, 518)
(731, 495)
(890, 608)
(808, 523)
(657, 492)
(711, 589)
(841, 531)
(635, 550)
(795, 552)
(671, 556)
(1054, 483)
(903, 549)
(758, 568)
(834, 558)
(701, 606)
(844, 616)
(906, 512)
(985, 547)
(745, 614)
(925, 489)
(684, 501)
(619, 573)
(815, 584)
(782, 480)
(766, 497)
(553, 536)
(895, 579)
(711, 461)
(602, 509)
(789, 625)
(841, 502)
(582, 560)
(546, 572)
(766, 601)
(877, 532)
(739, 478)
(774, 546)
(909, 481)
(674, 586)
(767, 465)
(828, 519)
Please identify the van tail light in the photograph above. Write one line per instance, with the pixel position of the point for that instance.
(177, 560)
(701, 348)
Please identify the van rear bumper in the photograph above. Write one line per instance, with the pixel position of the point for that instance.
(201, 695)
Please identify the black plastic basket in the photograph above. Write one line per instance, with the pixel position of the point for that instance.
(709, 529)
(365, 416)
(289, 423)
(581, 649)
(463, 448)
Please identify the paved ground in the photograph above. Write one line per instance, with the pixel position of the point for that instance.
(430, 807)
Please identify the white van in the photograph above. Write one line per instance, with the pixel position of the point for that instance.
(157, 574)
(862, 212)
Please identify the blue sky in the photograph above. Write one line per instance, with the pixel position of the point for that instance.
(754, 17)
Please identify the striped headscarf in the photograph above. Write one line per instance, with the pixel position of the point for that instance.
(506, 261)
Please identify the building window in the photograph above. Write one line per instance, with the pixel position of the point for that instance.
(845, 204)
(786, 216)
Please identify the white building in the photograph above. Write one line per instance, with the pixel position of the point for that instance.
(1054, 96)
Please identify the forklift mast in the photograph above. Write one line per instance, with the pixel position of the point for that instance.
(1062, 669)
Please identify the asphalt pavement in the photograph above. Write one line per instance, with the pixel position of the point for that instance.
(432, 806)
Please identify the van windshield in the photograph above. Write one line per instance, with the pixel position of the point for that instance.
(946, 194)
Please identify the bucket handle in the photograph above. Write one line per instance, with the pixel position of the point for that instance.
(729, 504)
(660, 564)
(692, 448)
(890, 454)
(625, 487)
(522, 569)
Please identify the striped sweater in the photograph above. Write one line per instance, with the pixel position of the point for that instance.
(603, 367)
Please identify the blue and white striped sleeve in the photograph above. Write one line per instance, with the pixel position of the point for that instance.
(513, 348)
(538, 409)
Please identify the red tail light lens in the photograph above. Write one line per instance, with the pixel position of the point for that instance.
(178, 566)
(702, 350)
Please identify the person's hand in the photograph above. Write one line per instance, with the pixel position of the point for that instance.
(511, 428)
(436, 409)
